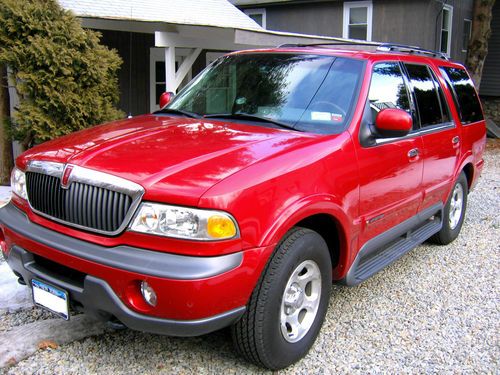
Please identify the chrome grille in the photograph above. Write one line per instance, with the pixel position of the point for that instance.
(93, 200)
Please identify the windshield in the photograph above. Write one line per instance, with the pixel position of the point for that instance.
(306, 92)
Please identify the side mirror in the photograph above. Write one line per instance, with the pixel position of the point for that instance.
(393, 122)
(165, 98)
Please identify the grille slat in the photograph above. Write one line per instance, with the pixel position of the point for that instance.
(88, 206)
(99, 204)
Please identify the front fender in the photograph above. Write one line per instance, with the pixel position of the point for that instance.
(321, 204)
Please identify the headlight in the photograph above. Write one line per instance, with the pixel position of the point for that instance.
(183, 222)
(18, 183)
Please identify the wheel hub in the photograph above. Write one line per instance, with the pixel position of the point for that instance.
(294, 296)
(300, 301)
(456, 206)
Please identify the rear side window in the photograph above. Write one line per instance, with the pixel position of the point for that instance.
(431, 106)
(465, 96)
(388, 89)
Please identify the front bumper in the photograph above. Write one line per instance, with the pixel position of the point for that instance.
(196, 295)
(99, 300)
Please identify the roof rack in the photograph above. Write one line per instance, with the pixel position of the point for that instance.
(382, 47)
(340, 43)
(389, 47)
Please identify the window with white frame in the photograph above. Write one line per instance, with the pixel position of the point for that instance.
(467, 34)
(447, 21)
(258, 15)
(358, 20)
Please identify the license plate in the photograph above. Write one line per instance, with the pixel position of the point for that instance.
(51, 298)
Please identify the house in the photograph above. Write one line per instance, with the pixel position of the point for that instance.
(432, 24)
(164, 44)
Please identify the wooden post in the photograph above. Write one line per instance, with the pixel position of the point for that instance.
(6, 159)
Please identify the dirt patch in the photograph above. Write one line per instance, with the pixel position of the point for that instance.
(493, 145)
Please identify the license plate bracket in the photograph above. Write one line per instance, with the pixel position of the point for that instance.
(51, 298)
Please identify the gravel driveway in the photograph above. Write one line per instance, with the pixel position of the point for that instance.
(437, 310)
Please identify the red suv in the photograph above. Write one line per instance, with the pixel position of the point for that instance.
(272, 174)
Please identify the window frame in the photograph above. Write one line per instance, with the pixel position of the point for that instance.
(454, 95)
(369, 17)
(466, 20)
(417, 129)
(435, 81)
(449, 9)
(258, 11)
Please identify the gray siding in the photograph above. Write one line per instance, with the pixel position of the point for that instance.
(414, 22)
(405, 22)
(490, 82)
(314, 18)
(134, 73)
(419, 23)
(462, 10)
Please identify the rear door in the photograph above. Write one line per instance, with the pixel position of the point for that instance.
(440, 135)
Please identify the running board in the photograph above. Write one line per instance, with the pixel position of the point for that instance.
(388, 247)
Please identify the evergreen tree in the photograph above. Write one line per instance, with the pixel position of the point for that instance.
(65, 79)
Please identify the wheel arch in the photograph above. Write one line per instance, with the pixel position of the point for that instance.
(322, 216)
(468, 169)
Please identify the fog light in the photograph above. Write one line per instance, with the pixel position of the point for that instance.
(148, 293)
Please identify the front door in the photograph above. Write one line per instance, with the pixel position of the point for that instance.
(391, 170)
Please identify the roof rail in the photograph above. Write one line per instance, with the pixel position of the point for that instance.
(389, 47)
(340, 43)
(382, 47)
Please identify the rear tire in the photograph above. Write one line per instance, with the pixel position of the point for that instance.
(289, 303)
(454, 212)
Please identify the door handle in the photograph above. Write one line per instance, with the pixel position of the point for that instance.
(455, 140)
(413, 153)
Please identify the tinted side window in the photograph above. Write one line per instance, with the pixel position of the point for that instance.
(465, 96)
(388, 89)
(428, 102)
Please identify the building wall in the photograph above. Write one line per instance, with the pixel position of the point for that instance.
(419, 23)
(405, 22)
(416, 22)
(133, 77)
(490, 81)
(462, 9)
(314, 18)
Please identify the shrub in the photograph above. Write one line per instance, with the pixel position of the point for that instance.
(65, 79)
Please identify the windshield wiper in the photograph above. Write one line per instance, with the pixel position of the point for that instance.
(246, 116)
(178, 112)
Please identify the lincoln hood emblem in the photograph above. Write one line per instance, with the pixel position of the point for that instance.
(65, 177)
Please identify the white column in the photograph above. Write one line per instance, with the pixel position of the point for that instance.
(170, 82)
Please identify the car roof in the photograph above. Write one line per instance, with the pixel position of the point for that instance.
(363, 52)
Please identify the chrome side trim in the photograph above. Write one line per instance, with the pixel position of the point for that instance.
(90, 177)
(418, 133)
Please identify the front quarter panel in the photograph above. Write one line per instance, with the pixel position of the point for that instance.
(269, 197)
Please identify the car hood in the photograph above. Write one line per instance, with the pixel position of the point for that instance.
(174, 158)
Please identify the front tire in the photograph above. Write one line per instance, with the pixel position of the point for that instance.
(288, 306)
(454, 212)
